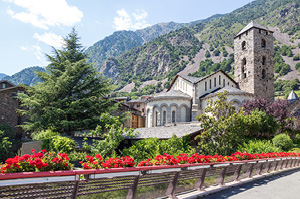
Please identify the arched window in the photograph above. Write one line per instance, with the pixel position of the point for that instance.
(210, 84)
(173, 116)
(263, 60)
(205, 86)
(164, 117)
(244, 69)
(263, 74)
(263, 43)
(243, 45)
(156, 118)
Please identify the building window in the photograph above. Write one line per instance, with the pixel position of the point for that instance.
(243, 45)
(263, 43)
(156, 118)
(219, 80)
(223, 82)
(244, 68)
(215, 82)
(228, 83)
(173, 116)
(164, 117)
(3, 85)
(210, 84)
(205, 86)
(259, 31)
(267, 32)
(263, 74)
(263, 60)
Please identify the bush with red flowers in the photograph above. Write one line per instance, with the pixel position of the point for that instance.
(40, 161)
(97, 163)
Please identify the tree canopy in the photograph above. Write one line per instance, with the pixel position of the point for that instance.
(72, 94)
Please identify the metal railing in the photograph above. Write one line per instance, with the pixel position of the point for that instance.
(136, 182)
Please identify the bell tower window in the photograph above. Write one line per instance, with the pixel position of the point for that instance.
(244, 68)
(263, 74)
(263, 60)
(263, 43)
(243, 45)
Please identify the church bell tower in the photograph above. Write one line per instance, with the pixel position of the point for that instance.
(253, 54)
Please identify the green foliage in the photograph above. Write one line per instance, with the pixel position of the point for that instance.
(222, 127)
(46, 136)
(8, 131)
(284, 87)
(258, 124)
(52, 141)
(286, 51)
(217, 52)
(63, 144)
(283, 142)
(296, 57)
(110, 140)
(207, 54)
(149, 148)
(297, 66)
(258, 146)
(72, 95)
(5, 146)
(279, 65)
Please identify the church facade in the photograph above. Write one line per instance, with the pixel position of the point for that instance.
(188, 96)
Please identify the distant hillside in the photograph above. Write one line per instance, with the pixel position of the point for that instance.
(2, 75)
(185, 50)
(122, 41)
(26, 76)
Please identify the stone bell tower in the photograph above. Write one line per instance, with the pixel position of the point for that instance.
(253, 54)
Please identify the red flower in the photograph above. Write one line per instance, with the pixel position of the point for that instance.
(44, 151)
(33, 150)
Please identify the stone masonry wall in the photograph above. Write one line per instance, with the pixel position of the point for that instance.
(254, 70)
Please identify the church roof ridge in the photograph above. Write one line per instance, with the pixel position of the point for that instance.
(250, 25)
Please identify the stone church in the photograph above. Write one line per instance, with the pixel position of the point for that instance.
(187, 96)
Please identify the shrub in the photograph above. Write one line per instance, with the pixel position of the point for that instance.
(46, 136)
(283, 142)
(258, 146)
(63, 144)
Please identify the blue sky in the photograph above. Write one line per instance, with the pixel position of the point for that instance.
(30, 27)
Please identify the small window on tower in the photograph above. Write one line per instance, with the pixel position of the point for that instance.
(259, 31)
(205, 86)
(267, 32)
(243, 45)
(263, 43)
(244, 69)
(263, 74)
(263, 60)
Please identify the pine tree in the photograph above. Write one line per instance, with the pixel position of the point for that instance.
(72, 94)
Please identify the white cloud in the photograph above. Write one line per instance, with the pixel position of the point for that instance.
(49, 39)
(125, 22)
(46, 13)
(24, 48)
(37, 52)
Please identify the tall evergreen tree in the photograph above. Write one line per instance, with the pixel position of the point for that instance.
(72, 94)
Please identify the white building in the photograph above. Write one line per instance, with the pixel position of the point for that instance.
(187, 96)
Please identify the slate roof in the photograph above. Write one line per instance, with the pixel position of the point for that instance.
(230, 89)
(292, 96)
(171, 95)
(252, 24)
(190, 78)
(166, 132)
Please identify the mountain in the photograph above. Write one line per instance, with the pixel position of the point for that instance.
(206, 46)
(2, 75)
(26, 76)
(122, 41)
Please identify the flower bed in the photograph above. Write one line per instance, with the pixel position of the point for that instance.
(49, 161)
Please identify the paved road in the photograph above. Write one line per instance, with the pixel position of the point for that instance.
(282, 186)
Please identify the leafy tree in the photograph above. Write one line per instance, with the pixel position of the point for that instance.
(5, 146)
(222, 127)
(256, 103)
(149, 148)
(72, 94)
(296, 57)
(258, 124)
(110, 140)
(283, 141)
(207, 54)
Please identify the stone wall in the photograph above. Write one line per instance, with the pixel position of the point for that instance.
(254, 69)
